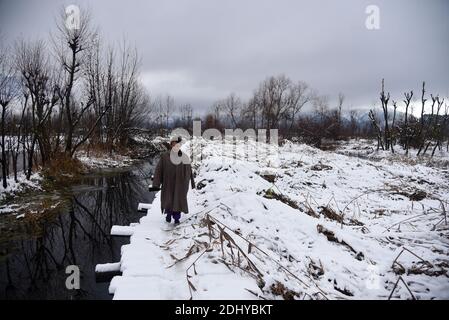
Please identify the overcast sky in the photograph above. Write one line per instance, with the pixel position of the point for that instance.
(201, 50)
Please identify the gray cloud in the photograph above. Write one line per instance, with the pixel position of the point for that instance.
(199, 51)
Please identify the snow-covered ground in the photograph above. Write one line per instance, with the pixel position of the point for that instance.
(295, 223)
(21, 185)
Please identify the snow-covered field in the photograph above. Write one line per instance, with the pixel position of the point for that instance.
(296, 223)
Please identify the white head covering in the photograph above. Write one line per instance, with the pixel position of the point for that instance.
(175, 139)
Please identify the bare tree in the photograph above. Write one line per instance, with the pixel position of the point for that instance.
(393, 128)
(169, 107)
(164, 108)
(232, 106)
(71, 46)
(301, 95)
(406, 130)
(384, 98)
(186, 115)
(423, 102)
(422, 133)
(8, 91)
(353, 116)
(377, 129)
(338, 121)
(440, 126)
(37, 77)
(216, 111)
(19, 134)
(250, 112)
(278, 98)
(434, 124)
(119, 101)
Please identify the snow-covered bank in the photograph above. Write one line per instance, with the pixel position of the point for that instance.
(20, 186)
(143, 146)
(102, 161)
(300, 223)
(11, 197)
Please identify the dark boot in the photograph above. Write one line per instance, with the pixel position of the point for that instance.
(176, 216)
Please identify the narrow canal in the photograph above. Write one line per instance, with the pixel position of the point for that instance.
(33, 259)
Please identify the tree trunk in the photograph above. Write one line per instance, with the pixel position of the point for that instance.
(4, 162)
(67, 98)
(30, 158)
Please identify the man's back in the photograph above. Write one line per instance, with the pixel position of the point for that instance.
(174, 176)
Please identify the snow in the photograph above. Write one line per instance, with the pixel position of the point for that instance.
(267, 236)
(143, 206)
(122, 230)
(107, 267)
(21, 185)
(101, 161)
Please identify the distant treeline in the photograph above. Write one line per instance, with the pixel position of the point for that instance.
(277, 102)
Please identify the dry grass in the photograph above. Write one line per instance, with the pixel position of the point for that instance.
(330, 235)
(61, 167)
(237, 257)
(271, 194)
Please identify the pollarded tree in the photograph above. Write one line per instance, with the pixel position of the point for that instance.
(38, 81)
(406, 132)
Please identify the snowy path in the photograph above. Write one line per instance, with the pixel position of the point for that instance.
(144, 265)
(148, 271)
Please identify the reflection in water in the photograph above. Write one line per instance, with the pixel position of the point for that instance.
(34, 268)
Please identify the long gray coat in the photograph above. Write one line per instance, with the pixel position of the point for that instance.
(174, 179)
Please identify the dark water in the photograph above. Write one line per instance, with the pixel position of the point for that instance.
(33, 265)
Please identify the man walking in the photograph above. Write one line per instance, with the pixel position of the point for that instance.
(174, 173)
